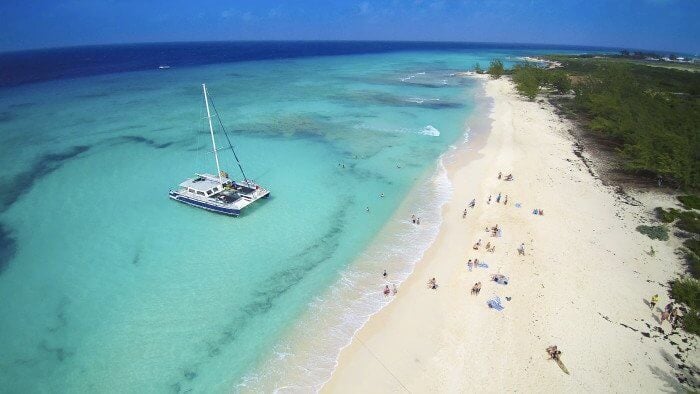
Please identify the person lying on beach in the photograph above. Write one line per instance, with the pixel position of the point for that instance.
(464, 214)
(472, 203)
(491, 249)
(477, 244)
(509, 177)
(499, 278)
(553, 352)
(432, 284)
(488, 245)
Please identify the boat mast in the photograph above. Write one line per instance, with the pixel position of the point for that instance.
(211, 131)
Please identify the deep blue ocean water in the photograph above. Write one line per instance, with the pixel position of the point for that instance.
(109, 286)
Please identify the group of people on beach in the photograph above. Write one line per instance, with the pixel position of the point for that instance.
(669, 313)
(508, 177)
(498, 199)
(476, 288)
(415, 220)
(387, 290)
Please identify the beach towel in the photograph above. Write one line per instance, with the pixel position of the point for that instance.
(483, 265)
(501, 280)
(518, 205)
(495, 303)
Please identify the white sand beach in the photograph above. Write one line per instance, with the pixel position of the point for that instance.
(581, 285)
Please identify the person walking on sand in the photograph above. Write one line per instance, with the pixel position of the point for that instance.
(654, 300)
(498, 198)
(386, 290)
(489, 200)
(500, 174)
(417, 220)
(469, 265)
(505, 202)
(394, 290)
(384, 274)
(521, 249)
(413, 219)
(472, 203)
(464, 214)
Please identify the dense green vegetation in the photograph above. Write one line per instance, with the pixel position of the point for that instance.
(687, 292)
(651, 113)
(496, 69)
(690, 201)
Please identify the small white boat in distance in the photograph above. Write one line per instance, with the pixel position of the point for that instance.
(219, 193)
(164, 67)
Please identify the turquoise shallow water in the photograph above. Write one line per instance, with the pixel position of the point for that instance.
(108, 286)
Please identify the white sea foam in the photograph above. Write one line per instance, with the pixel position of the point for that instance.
(467, 131)
(431, 131)
(310, 353)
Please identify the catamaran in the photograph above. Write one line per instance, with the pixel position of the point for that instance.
(218, 193)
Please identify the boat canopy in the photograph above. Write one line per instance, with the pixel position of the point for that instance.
(206, 184)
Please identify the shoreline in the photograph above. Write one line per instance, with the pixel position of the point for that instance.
(359, 287)
(580, 284)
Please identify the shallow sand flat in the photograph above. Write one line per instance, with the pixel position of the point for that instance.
(585, 273)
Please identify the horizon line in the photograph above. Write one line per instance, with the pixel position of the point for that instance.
(495, 43)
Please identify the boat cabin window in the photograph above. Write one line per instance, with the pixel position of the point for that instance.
(200, 193)
(216, 189)
(190, 190)
(208, 192)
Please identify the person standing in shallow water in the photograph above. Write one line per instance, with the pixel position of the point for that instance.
(384, 274)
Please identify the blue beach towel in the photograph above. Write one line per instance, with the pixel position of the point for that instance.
(518, 205)
(483, 265)
(495, 303)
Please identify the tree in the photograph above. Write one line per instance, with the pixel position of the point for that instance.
(478, 69)
(496, 69)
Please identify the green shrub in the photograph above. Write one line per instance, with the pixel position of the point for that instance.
(496, 69)
(691, 321)
(654, 232)
(693, 262)
(689, 221)
(686, 291)
(693, 245)
(664, 215)
(690, 201)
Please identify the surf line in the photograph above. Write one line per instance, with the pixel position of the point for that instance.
(380, 362)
